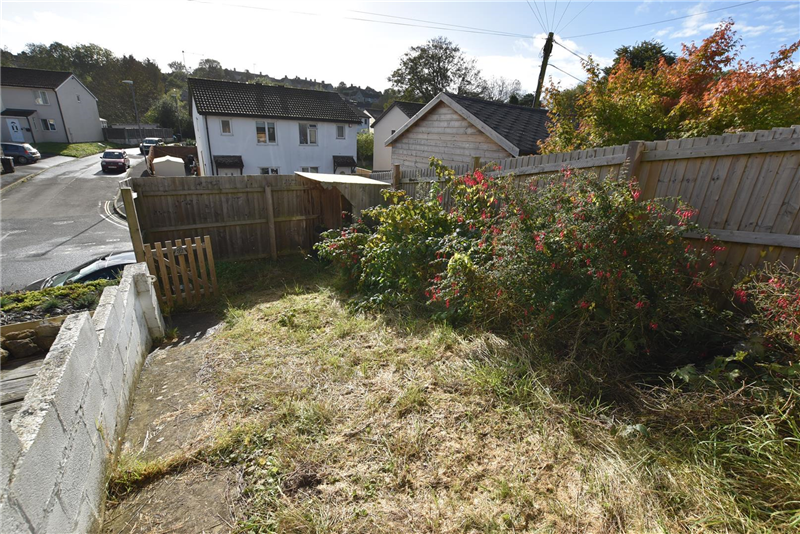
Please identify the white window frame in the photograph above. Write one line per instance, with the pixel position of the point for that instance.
(344, 131)
(269, 170)
(222, 129)
(310, 169)
(48, 125)
(266, 133)
(41, 98)
(308, 127)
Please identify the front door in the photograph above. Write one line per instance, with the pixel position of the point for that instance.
(16, 132)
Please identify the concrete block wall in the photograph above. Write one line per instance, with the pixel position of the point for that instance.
(58, 447)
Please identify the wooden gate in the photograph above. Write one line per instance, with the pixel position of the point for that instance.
(185, 270)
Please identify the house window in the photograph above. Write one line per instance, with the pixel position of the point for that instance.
(308, 134)
(265, 133)
(226, 127)
(49, 124)
(309, 169)
(340, 131)
(270, 170)
(41, 98)
(78, 97)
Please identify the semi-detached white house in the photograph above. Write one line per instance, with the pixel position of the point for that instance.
(244, 128)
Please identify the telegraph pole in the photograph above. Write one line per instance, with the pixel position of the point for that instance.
(548, 47)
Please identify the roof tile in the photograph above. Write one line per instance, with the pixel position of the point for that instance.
(47, 79)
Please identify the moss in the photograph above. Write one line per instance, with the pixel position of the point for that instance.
(79, 295)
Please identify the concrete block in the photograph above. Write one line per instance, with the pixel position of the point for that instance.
(93, 400)
(39, 468)
(105, 309)
(94, 491)
(108, 415)
(12, 520)
(10, 450)
(58, 520)
(76, 471)
(88, 520)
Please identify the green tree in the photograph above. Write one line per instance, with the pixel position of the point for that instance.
(644, 55)
(364, 148)
(438, 65)
(209, 68)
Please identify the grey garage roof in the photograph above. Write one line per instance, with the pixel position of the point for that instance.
(217, 97)
(409, 109)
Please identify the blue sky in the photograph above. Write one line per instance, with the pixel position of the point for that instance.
(325, 41)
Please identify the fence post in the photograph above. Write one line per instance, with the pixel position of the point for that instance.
(633, 159)
(133, 223)
(273, 245)
(396, 176)
(476, 163)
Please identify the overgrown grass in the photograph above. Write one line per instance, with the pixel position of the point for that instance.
(74, 150)
(349, 422)
(82, 296)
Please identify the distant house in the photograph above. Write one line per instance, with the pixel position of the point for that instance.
(387, 124)
(455, 128)
(46, 106)
(244, 128)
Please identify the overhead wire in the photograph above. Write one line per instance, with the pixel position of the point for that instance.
(570, 51)
(546, 17)
(509, 34)
(563, 13)
(565, 72)
(575, 17)
(663, 21)
(438, 26)
(536, 16)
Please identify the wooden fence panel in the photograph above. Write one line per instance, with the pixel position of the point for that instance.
(745, 186)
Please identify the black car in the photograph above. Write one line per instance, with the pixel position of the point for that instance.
(21, 152)
(106, 267)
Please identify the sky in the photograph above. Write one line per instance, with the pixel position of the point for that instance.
(361, 42)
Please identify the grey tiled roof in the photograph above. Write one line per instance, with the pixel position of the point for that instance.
(344, 161)
(409, 109)
(520, 125)
(46, 79)
(229, 162)
(216, 97)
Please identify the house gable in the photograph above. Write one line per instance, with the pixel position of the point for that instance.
(445, 134)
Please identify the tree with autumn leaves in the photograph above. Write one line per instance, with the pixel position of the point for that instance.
(707, 90)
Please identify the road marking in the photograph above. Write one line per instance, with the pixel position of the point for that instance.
(112, 240)
(109, 215)
(12, 232)
(63, 222)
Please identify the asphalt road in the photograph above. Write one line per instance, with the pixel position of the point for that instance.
(58, 220)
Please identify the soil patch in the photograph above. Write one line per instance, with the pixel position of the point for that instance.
(197, 500)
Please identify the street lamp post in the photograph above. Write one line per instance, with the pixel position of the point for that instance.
(135, 110)
(178, 113)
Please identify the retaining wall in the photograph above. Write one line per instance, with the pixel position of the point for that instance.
(58, 447)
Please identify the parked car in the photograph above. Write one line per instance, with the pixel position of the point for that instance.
(148, 142)
(115, 160)
(21, 152)
(106, 267)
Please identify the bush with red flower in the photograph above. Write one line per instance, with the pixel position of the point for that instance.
(571, 260)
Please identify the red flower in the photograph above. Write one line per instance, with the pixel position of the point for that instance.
(740, 295)
(654, 326)
(640, 305)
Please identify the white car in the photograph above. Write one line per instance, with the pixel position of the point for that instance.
(148, 142)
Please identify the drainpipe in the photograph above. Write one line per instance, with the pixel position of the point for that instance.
(208, 140)
(30, 127)
(66, 131)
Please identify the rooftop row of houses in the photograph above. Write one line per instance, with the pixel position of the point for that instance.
(250, 128)
(262, 129)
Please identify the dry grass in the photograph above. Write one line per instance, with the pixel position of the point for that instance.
(343, 422)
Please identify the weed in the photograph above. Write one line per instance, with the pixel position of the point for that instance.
(51, 303)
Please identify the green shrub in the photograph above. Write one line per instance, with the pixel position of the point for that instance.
(568, 260)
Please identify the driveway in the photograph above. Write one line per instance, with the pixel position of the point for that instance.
(58, 220)
(21, 171)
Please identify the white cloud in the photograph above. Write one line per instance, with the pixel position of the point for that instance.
(662, 33)
(791, 6)
(695, 24)
(644, 7)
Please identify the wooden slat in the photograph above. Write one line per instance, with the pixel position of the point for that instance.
(193, 270)
(243, 190)
(758, 147)
(201, 267)
(173, 271)
(210, 261)
(166, 292)
(184, 276)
